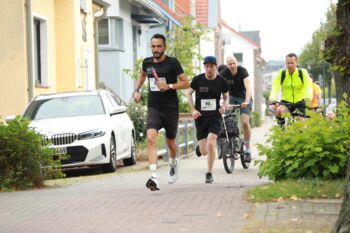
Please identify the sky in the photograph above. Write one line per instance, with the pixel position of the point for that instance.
(285, 25)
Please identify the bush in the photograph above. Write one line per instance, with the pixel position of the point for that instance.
(316, 148)
(25, 159)
(138, 114)
(256, 119)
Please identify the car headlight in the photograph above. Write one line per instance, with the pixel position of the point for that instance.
(91, 134)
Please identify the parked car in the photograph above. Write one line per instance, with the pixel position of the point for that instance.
(90, 126)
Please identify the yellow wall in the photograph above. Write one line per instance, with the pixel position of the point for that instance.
(66, 50)
(89, 44)
(13, 59)
(66, 62)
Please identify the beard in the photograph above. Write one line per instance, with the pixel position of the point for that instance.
(157, 55)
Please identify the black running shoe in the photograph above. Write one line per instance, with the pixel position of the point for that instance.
(152, 184)
(198, 152)
(209, 178)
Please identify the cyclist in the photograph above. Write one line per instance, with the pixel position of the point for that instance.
(240, 93)
(296, 90)
(316, 95)
(206, 111)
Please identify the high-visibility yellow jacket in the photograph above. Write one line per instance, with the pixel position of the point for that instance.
(293, 88)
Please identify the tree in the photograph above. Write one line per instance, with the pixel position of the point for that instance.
(337, 50)
(337, 53)
(311, 56)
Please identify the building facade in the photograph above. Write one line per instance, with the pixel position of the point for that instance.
(49, 46)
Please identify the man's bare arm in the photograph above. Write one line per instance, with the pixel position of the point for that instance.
(247, 92)
(139, 83)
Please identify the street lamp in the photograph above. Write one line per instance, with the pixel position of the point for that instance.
(322, 48)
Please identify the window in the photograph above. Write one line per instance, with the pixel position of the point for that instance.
(166, 2)
(40, 51)
(110, 33)
(69, 106)
(103, 32)
(239, 57)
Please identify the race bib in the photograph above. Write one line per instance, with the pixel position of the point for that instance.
(152, 83)
(208, 104)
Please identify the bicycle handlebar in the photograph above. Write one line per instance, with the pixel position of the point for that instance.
(232, 107)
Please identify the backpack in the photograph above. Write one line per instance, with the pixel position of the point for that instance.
(284, 75)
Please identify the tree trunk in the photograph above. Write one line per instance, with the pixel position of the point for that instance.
(338, 50)
(338, 54)
(342, 86)
(343, 222)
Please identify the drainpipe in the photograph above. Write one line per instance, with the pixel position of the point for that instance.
(29, 19)
(104, 9)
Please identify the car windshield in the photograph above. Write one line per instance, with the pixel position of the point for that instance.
(65, 107)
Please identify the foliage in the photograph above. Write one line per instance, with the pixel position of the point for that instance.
(312, 55)
(315, 148)
(138, 114)
(134, 74)
(296, 189)
(256, 119)
(183, 44)
(25, 159)
(337, 50)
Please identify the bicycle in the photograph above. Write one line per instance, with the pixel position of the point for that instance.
(294, 114)
(230, 143)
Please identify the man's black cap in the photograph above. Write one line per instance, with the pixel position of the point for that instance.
(210, 60)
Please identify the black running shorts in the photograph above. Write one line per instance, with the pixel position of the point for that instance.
(168, 120)
(206, 126)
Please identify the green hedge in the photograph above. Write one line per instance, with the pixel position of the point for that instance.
(256, 119)
(316, 148)
(25, 159)
(138, 114)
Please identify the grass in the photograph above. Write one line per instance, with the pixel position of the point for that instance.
(296, 189)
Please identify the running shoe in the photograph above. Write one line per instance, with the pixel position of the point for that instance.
(153, 183)
(247, 157)
(247, 154)
(173, 173)
(209, 178)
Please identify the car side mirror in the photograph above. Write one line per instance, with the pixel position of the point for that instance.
(10, 118)
(118, 110)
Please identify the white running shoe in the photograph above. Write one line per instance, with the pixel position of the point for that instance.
(152, 183)
(173, 172)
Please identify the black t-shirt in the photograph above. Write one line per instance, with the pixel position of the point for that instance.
(236, 83)
(208, 93)
(167, 71)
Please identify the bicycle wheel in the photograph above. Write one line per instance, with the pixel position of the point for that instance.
(227, 156)
(244, 163)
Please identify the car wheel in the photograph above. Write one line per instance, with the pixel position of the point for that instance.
(132, 160)
(112, 165)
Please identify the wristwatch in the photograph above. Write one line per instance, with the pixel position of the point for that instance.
(171, 86)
